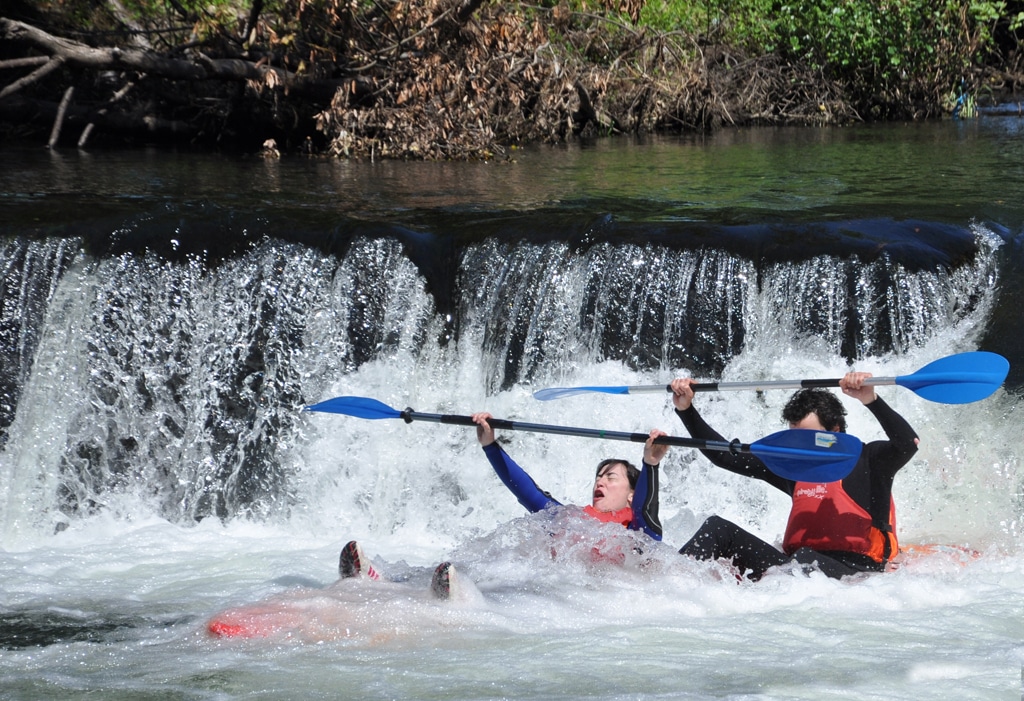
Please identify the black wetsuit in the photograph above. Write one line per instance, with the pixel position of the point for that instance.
(869, 484)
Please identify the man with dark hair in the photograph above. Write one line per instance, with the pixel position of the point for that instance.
(842, 527)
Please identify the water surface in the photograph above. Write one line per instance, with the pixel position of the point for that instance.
(166, 317)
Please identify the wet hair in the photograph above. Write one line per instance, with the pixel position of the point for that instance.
(632, 473)
(826, 405)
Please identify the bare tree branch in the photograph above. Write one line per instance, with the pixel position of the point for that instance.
(51, 65)
(22, 62)
(58, 122)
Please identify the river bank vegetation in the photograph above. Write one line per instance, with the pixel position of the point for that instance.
(458, 79)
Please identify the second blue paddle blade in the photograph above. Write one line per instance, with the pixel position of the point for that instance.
(804, 455)
(360, 407)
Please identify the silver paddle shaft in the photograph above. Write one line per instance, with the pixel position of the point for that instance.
(757, 386)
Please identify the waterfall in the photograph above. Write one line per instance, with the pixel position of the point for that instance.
(541, 310)
(28, 277)
(134, 383)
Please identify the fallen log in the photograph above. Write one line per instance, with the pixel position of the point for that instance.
(112, 58)
(116, 58)
(67, 52)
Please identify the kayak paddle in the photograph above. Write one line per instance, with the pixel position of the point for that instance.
(797, 454)
(955, 379)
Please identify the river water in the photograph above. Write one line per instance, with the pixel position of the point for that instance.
(165, 317)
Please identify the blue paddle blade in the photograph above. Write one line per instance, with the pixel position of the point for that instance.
(360, 407)
(559, 392)
(958, 379)
(805, 455)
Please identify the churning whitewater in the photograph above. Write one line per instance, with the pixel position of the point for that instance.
(159, 470)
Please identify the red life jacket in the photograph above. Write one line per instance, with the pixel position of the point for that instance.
(623, 516)
(825, 517)
(609, 550)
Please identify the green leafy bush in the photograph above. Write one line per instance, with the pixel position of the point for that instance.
(889, 49)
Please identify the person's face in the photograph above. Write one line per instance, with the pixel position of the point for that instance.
(811, 421)
(611, 488)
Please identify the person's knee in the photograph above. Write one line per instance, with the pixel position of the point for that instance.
(712, 527)
(697, 543)
(716, 523)
(806, 556)
(708, 539)
(809, 560)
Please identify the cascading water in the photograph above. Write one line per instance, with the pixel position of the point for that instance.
(30, 273)
(179, 384)
(161, 332)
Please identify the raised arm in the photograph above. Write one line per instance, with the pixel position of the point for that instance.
(892, 454)
(645, 496)
(744, 464)
(514, 477)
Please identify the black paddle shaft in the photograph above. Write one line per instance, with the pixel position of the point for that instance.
(779, 384)
(734, 446)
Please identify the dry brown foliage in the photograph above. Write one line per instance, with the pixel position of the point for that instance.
(418, 79)
(443, 84)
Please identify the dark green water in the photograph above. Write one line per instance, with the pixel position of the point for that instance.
(912, 192)
(950, 171)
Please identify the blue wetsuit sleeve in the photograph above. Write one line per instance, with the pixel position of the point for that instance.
(515, 478)
(645, 503)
